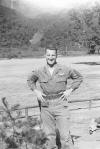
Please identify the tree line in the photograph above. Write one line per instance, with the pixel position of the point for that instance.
(81, 26)
(15, 30)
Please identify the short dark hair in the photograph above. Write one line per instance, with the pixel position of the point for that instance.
(51, 47)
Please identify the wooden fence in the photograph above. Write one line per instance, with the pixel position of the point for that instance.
(74, 105)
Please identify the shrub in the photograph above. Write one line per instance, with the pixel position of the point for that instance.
(21, 133)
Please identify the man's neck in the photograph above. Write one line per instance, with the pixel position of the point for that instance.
(51, 68)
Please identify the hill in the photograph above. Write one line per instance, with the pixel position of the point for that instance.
(15, 29)
(74, 30)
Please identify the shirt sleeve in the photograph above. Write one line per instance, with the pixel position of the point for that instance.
(32, 79)
(76, 77)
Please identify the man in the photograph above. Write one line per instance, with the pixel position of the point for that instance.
(53, 97)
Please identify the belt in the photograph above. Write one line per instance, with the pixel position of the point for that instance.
(52, 99)
(53, 96)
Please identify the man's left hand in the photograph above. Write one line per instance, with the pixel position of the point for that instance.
(66, 94)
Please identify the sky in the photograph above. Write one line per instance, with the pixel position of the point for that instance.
(49, 5)
(33, 8)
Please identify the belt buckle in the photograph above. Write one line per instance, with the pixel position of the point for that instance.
(52, 100)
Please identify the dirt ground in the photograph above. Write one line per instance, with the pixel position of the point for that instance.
(13, 86)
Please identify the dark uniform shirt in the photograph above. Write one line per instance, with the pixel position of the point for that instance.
(57, 82)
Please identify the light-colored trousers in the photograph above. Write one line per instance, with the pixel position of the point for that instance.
(56, 117)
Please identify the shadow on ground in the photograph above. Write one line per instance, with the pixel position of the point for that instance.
(89, 63)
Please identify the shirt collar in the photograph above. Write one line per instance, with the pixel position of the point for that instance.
(56, 70)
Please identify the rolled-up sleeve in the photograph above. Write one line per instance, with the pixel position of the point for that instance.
(76, 77)
(32, 79)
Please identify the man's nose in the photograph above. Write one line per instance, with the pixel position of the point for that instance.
(50, 57)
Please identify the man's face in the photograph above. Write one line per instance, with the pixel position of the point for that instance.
(51, 57)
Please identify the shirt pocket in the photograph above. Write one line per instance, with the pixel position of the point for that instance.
(43, 80)
(61, 78)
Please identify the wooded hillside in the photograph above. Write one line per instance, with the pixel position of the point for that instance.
(15, 29)
(77, 29)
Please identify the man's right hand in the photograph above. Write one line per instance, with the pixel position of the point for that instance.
(39, 95)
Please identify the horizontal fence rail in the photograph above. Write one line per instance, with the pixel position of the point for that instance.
(35, 111)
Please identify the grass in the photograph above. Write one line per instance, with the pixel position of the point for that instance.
(14, 73)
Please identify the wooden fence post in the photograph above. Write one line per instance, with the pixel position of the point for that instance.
(26, 112)
(90, 104)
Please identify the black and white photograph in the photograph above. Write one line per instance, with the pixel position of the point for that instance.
(49, 74)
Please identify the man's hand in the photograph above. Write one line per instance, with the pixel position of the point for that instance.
(66, 94)
(39, 95)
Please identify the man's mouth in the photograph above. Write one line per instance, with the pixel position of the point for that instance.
(51, 60)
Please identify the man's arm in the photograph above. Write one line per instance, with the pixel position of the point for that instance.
(32, 79)
(77, 80)
(76, 77)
